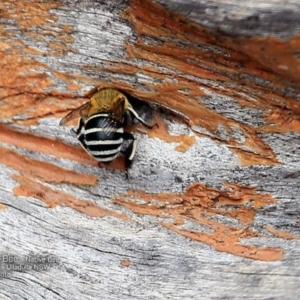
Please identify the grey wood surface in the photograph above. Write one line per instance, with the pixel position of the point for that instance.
(94, 247)
(264, 18)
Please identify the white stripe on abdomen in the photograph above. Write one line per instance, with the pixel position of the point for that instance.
(92, 130)
(106, 152)
(106, 142)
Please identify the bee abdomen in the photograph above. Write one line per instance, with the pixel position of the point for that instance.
(102, 137)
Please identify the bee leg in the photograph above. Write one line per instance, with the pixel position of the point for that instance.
(135, 114)
(73, 132)
(129, 151)
(78, 130)
(80, 126)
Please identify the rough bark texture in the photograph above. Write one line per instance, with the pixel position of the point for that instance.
(211, 210)
(264, 18)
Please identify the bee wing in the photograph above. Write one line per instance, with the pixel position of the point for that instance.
(76, 113)
(115, 119)
(117, 111)
(109, 126)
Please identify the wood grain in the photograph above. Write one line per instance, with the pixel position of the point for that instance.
(211, 209)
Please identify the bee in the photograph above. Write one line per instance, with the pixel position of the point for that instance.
(101, 126)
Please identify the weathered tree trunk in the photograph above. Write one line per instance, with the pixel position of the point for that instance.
(211, 207)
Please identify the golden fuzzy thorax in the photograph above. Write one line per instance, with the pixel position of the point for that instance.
(106, 100)
(109, 101)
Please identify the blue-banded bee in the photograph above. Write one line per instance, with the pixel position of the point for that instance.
(101, 126)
